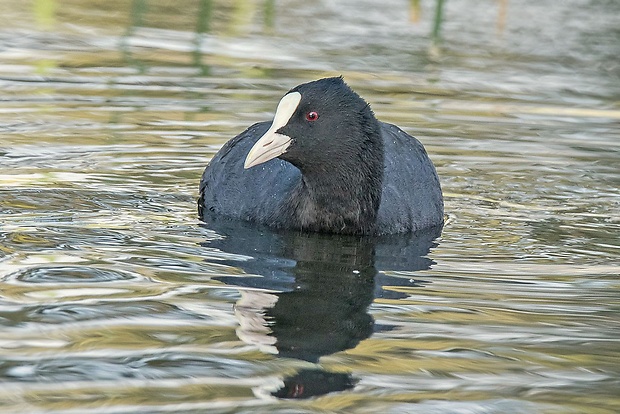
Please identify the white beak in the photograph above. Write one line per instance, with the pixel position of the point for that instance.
(272, 144)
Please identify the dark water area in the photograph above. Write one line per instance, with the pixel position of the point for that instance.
(115, 298)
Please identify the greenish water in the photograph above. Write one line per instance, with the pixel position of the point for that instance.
(115, 298)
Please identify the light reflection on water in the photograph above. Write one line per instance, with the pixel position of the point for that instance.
(115, 298)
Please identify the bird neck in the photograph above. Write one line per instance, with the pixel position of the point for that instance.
(345, 199)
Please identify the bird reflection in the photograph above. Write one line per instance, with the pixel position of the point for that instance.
(306, 295)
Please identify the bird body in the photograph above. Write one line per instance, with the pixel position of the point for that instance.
(324, 164)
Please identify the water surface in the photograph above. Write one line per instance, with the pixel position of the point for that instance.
(114, 297)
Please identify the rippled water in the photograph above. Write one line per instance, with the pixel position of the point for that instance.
(115, 298)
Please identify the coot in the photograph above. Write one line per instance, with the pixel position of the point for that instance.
(324, 164)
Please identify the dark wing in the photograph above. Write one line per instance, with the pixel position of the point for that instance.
(411, 198)
(255, 194)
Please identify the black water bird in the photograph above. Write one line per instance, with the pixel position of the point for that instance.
(324, 164)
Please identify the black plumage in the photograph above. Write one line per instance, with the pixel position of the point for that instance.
(324, 164)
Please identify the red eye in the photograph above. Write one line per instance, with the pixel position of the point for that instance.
(312, 116)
